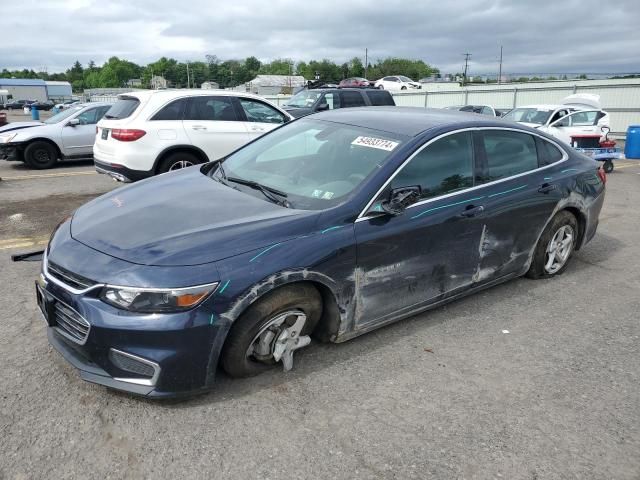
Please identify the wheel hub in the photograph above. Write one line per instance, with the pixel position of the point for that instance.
(559, 249)
(279, 338)
(180, 164)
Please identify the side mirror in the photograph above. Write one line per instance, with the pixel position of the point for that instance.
(73, 122)
(322, 107)
(400, 199)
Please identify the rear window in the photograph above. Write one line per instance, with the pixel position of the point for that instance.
(123, 108)
(380, 98)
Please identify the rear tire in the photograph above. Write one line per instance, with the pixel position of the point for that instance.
(178, 161)
(302, 297)
(608, 166)
(558, 241)
(40, 155)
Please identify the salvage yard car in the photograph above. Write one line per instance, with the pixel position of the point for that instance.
(311, 101)
(69, 135)
(397, 83)
(578, 114)
(152, 132)
(331, 226)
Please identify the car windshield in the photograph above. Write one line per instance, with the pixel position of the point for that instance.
(306, 98)
(317, 164)
(63, 115)
(538, 116)
(404, 79)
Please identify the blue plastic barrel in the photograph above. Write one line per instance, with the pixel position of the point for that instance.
(35, 114)
(632, 145)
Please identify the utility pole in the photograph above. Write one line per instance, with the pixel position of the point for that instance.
(366, 61)
(467, 56)
(188, 75)
(500, 70)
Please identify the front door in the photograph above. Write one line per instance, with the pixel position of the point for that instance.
(431, 249)
(576, 124)
(78, 139)
(260, 117)
(213, 125)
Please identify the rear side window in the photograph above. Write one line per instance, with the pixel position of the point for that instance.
(332, 100)
(351, 99)
(379, 98)
(123, 108)
(508, 153)
(211, 108)
(547, 152)
(443, 167)
(172, 111)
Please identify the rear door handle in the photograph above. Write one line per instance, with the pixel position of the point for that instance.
(472, 211)
(257, 129)
(547, 187)
(198, 127)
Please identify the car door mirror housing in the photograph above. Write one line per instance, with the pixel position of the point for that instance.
(400, 199)
(73, 122)
(322, 107)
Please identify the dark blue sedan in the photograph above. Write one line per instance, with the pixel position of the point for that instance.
(328, 227)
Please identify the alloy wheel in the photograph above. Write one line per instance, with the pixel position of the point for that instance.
(559, 249)
(279, 338)
(180, 164)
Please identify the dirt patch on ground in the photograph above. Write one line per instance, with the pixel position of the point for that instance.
(39, 216)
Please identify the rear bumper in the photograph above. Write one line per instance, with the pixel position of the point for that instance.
(121, 173)
(593, 214)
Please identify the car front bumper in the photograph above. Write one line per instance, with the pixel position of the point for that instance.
(10, 152)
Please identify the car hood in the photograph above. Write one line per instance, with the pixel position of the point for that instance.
(19, 125)
(184, 218)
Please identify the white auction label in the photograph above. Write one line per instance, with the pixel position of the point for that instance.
(372, 142)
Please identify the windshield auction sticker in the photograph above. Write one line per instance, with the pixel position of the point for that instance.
(373, 142)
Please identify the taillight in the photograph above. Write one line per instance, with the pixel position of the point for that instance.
(603, 175)
(127, 134)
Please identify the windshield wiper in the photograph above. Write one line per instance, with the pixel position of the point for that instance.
(268, 192)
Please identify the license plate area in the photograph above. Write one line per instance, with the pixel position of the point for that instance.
(105, 134)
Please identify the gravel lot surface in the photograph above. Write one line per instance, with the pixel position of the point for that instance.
(528, 380)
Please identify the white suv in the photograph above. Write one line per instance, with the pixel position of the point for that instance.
(152, 132)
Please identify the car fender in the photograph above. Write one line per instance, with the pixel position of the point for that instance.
(184, 146)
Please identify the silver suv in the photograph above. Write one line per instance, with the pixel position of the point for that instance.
(65, 136)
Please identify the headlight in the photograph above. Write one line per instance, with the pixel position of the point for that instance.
(7, 137)
(156, 300)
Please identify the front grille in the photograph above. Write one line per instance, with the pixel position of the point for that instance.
(70, 323)
(130, 364)
(75, 281)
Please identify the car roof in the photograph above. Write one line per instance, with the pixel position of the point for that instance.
(409, 121)
(191, 92)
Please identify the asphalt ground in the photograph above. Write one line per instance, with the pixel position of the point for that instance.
(527, 380)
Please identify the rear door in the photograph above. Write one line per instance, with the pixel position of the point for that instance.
(78, 139)
(519, 196)
(580, 123)
(351, 99)
(214, 125)
(259, 117)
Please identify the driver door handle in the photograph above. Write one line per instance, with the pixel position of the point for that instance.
(198, 127)
(472, 211)
(547, 187)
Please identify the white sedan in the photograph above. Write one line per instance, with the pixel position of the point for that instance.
(397, 83)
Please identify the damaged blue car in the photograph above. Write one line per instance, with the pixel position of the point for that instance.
(328, 227)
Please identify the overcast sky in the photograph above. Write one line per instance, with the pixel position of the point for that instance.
(538, 35)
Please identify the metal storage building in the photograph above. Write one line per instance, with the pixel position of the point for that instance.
(25, 89)
(58, 90)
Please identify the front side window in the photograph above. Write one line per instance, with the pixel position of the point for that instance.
(332, 100)
(440, 168)
(172, 111)
(317, 164)
(63, 115)
(351, 99)
(211, 109)
(256, 111)
(90, 116)
(508, 153)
